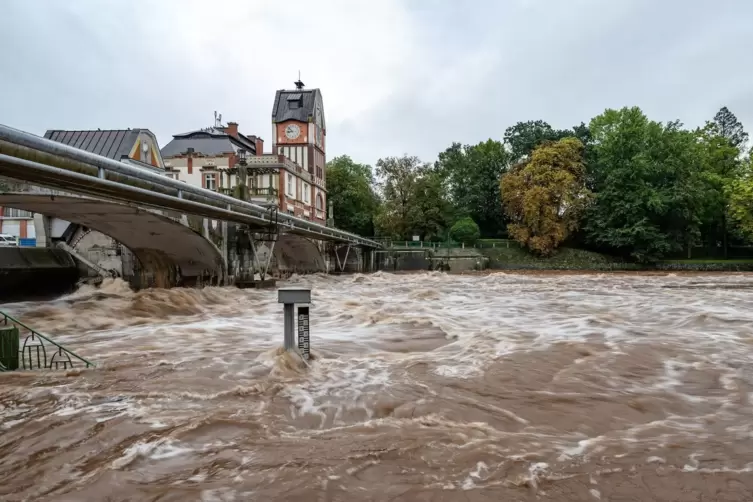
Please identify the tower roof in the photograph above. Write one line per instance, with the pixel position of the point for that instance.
(297, 104)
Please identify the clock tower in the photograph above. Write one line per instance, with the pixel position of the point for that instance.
(299, 130)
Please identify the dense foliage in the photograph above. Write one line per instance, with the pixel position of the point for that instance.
(350, 189)
(465, 230)
(623, 184)
(544, 197)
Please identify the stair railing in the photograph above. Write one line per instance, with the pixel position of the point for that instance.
(34, 350)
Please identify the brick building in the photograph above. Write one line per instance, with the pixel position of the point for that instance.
(291, 177)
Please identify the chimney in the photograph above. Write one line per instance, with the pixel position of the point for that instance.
(232, 129)
(259, 146)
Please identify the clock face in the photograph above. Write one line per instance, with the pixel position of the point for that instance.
(292, 131)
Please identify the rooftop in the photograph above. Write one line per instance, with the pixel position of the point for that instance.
(303, 105)
(111, 143)
(211, 141)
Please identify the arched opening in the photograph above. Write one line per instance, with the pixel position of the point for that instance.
(168, 252)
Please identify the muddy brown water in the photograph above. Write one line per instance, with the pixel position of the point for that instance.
(423, 387)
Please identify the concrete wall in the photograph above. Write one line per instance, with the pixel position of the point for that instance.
(27, 273)
(453, 260)
(99, 249)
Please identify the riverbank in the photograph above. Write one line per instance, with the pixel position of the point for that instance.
(578, 260)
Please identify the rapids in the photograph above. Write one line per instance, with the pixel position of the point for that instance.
(514, 387)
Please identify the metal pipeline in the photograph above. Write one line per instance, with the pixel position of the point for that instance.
(55, 177)
(10, 138)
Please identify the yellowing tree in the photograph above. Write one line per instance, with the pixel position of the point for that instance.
(544, 197)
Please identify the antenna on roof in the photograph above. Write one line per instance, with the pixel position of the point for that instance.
(298, 83)
(217, 119)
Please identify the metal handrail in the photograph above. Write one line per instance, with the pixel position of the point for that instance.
(30, 141)
(61, 351)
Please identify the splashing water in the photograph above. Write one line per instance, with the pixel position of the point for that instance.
(421, 387)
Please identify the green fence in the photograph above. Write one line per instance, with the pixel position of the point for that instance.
(37, 350)
(480, 244)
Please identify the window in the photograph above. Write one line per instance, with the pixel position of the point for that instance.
(306, 193)
(290, 186)
(210, 181)
(319, 202)
(12, 212)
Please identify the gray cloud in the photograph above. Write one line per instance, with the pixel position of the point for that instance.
(397, 76)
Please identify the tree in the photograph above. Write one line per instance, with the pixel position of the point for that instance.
(726, 125)
(414, 198)
(350, 189)
(524, 137)
(721, 167)
(545, 196)
(465, 230)
(472, 174)
(431, 210)
(740, 196)
(649, 185)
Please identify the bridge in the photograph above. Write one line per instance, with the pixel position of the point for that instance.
(175, 230)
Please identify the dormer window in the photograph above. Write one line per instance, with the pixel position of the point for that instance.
(295, 100)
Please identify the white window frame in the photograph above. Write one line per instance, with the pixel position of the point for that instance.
(213, 178)
(289, 188)
(306, 193)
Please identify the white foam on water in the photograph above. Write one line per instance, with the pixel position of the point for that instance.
(161, 449)
(221, 347)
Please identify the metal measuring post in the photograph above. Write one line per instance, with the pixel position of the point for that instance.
(289, 297)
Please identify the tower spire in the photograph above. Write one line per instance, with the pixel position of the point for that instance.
(298, 83)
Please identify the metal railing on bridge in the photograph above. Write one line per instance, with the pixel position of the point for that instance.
(44, 162)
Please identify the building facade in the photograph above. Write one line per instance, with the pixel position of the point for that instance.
(291, 177)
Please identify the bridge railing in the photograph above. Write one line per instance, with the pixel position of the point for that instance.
(92, 174)
(33, 353)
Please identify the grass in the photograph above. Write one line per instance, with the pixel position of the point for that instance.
(564, 259)
(706, 261)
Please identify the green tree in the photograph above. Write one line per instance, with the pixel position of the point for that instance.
(473, 174)
(725, 124)
(414, 199)
(721, 167)
(545, 196)
(350, 189)
(650, 190)
(431, 210)
(465, 230)
(524, 137)
(740, 196)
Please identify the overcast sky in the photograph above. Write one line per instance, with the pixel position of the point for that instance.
(397, 76)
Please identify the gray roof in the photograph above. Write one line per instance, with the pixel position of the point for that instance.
(283, 110)
(209, 142)
(210, 146)
(113, 144)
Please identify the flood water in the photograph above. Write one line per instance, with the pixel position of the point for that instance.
(422, 387)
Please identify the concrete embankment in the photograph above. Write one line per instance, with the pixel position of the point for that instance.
(34, 273)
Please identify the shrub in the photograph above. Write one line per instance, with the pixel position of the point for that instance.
(465, 230)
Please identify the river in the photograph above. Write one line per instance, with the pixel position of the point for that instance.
(421, 387)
